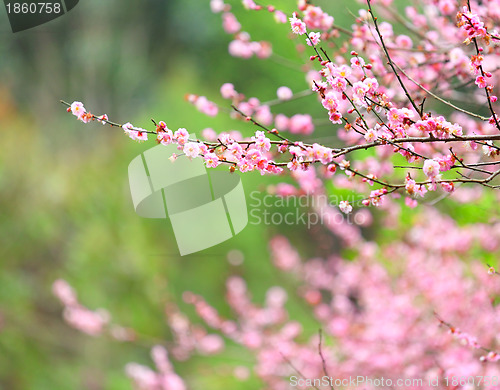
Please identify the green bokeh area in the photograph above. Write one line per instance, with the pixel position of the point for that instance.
(66, 209)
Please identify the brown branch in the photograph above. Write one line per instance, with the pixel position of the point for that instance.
(323, 362)
(391, 64)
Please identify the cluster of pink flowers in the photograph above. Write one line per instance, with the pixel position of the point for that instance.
(242, 46)
(351, 89)
(472, 25)
(315, 17)
(78, 110)
(204, 105)
(163, 379)
(383, 324)
(77, 315)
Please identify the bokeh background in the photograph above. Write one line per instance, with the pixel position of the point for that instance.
(66, 210)
(65, 207)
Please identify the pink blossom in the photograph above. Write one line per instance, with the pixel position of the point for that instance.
(284, 93)
(181, 136)
(64, 292)
(244, 166)
(371, 83)
(342, 71)
(85, 320)
(489, 149)
(165, 137)
(211, 160)
(448, 186)
(395, 116)
(280, 17)
(191, 149)
(472, 25)
(230, 23)
(298, 26)
(235, 150)
(207, 107)
(339, 84)
(262, 49)
(359, 89)
(227, 91)
(102, 119)
(480, 82)
(371, 135)
(217, 6)
(316, 18)
(210, 344)
(357, 62)
(345, 207)
(314, 39)
(411, 203)
(261, 141)
(330, 101)
(250, 4)
(134, 132)
(143, 377)
(431, 168)
(77, 109)
(404, 41)
(321, 153)
(253, 156)
(240, 48)
(301, 124)
(263, 115)
(209, 134)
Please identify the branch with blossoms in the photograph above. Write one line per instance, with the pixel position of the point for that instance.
(469, 340)
(374, 105)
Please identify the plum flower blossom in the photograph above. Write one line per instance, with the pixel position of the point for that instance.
(280, 17)
(313, 39)
(338, 83)
(345, 207)
(230, 23)
(181, 136)
(102, 119)
(489, 149)
(191, 149)
(371, 135)
(165, 137)
(298, 26)
(206, 106)
(135, 133)
(227, 91)
(330, 101)
(431, 168)
(472, 25)
(75, 314)
(77, 109)
(261, 141)
(284, 93)
(211, 160)
(481, 82)
(235, 150)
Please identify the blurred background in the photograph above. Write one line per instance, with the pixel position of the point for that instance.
(66, 210)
